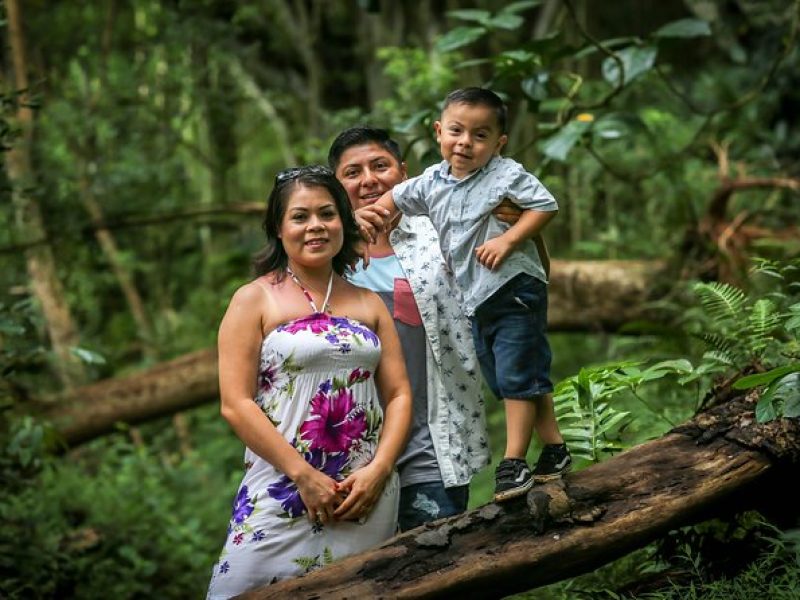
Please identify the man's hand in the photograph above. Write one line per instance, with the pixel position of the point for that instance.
(507, 212)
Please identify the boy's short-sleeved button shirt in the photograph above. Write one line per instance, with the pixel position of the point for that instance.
(461, 212)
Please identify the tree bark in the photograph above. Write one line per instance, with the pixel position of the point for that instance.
(710, 464)
(584, 295)
(94, 410)
(39, 258)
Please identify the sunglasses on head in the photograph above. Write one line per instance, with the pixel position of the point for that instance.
(295, 172)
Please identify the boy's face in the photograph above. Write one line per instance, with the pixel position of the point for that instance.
(468, 137)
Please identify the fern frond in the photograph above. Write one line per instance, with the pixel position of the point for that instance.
(724, 358)
(719, 343)
(721, 301)
(762, 321)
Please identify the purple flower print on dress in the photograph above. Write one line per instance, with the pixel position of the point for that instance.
(332, 426)
(285, 490)
(316, 323)
(266, 378)
(355, 328)
(336, 329)
(258, 536)
(238, 538)
(242, 506)
(224, 567)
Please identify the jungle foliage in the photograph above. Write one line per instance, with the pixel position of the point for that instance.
(145, 129)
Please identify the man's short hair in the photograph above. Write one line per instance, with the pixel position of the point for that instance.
(360, 136)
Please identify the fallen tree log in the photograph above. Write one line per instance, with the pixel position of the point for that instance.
(588, 295)
(565, 529)
(93, 410)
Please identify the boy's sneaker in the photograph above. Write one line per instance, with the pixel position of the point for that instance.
(512, 478)
(553, 462)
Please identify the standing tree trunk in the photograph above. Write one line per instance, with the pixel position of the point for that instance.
(39, 257)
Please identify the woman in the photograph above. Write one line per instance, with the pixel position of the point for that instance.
(302, 357)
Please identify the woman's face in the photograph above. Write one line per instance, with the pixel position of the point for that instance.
(311, 229)
(367, 171)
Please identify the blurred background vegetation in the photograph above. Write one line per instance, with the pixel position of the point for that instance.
(140, 140)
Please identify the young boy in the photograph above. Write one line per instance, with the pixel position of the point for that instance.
(497, 267)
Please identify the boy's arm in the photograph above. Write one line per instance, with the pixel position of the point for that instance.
(374, 218)
(493, 252)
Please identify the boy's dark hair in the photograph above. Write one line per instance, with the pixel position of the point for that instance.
(476, 96)
(359, 136)
(273, 257)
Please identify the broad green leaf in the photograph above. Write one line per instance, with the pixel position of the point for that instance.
(752, 381)
(505, 21)
(635, 62)
(610, 44)
(782, 399)
(459, 37)
(765, 411)
(11, 328)
(535, 87)
(479, 16)
(516, 7)
(558, 146)
(409, 124)
(520, 56)
(684, 28)
(87, 356)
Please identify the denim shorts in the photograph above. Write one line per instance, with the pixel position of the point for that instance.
(509, 331)
(424, 502)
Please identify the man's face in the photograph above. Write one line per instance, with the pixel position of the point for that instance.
(367, 171)
(468, 137)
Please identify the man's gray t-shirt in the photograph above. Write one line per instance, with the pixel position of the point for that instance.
(417, 463)
(461, 212)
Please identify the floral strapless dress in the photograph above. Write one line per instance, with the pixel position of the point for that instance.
(316, 385)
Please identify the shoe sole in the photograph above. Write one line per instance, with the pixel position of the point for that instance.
(549, 477)
(514, 492)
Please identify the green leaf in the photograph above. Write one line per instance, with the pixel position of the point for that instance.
(412, 121)
(459, 37)
(478, 16)
(751, 381)
(635, 62)
(782, 399)
(505, 21)
(516, 7)
(87, 356)
(535, 87)
(684, 28)
(765, 410)
(616, 125)
(558, 146)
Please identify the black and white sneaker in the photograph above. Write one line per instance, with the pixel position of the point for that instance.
(553, 462)
(512, 478)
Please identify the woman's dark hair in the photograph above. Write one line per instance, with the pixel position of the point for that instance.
(273, 257)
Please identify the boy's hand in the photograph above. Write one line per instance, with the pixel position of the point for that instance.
(492, 253)
(371, 220)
